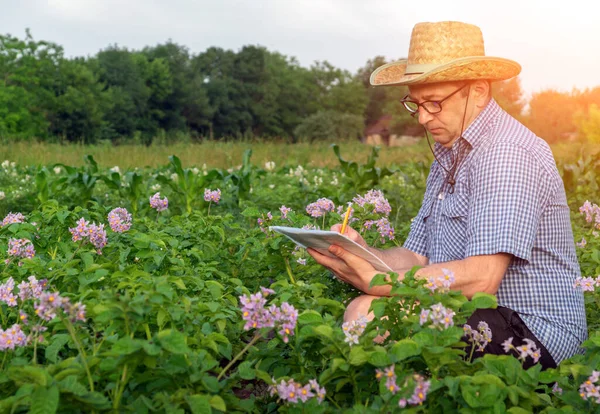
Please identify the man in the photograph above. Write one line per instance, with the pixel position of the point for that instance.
(494, 211)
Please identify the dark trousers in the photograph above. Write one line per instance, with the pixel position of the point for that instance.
(505, 323)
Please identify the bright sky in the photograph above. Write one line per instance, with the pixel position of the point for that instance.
(556, 42)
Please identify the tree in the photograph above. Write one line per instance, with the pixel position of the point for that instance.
(29, 70)
(588, 124)
(551, 115)
(509, 96)
(81, 103)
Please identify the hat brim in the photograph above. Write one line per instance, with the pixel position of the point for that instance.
(468, 68)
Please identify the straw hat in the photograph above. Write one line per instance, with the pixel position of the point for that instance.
(444, 52)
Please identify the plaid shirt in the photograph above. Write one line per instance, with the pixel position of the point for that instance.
(508, 198)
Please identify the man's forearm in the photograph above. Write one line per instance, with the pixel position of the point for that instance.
(399, 258)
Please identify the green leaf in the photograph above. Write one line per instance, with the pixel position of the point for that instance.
(126, 346)
(199, 404)
(482, 300)
(72, 386)
(44, 400)
(379, 359)
(29, 375)
(217, 403)
(404, 349)
(358, 356)
(58, 342)
(310, 316)
(517, 410)
(246, 371)
(324, 330)
(173, 341)
(379, 280)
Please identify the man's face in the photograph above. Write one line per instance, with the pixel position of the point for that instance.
(444, 126)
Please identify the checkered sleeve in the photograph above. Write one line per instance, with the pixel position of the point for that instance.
(509, 191)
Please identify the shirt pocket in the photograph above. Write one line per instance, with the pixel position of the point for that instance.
(454, 215)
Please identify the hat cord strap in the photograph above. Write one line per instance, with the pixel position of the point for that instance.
(455, 160)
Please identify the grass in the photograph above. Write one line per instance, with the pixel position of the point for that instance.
(217, 154)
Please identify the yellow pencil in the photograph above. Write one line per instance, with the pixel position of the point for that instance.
(346, 217)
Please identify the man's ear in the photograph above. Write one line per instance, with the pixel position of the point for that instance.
(482, 91)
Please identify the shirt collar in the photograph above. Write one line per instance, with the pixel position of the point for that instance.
(476, 133)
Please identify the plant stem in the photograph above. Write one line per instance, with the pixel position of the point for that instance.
(289, 270)
(120, 389)
(252, 342)
(209, 203)
(81, 352)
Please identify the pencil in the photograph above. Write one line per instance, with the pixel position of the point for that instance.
(346, 217)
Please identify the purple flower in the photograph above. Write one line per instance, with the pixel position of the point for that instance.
(420, 393)
(587, 284)
(528, 349)
(556, 389)
(212, 196)
(6, 293)
(284, 211)
(12, 337)
(98, 237)
(283, 318)
(119, 220)
(439, 316)
(80, 231)
(159, 204)
(376, 199)
(12, 218)
(508, 345)
(589, 390)
(582, 243)
(21, 248)
(354, 329)
(440, 283)
(319, 208)
(23, 318)
(424, 316)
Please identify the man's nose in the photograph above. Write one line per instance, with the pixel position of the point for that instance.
(424, 116)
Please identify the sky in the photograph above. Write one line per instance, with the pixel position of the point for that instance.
(556, 42)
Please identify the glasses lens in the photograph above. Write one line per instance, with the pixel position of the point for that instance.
(432, 107)
(411, 106)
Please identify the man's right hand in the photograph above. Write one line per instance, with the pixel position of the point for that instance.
(351, 234)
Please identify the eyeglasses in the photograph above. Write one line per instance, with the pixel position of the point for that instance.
(433, 107)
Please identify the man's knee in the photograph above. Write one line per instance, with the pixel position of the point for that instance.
(359, 307)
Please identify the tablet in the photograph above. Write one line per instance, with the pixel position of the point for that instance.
(320, 240)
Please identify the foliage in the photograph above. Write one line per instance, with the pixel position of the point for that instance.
(163, 329)
(326, 125)
(588, 124)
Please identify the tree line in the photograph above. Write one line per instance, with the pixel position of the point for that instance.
(165, 92)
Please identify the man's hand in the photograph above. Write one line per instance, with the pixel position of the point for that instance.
(346, 266)
(351, 234)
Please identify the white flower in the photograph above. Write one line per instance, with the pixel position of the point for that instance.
(5, 164)
(174, 176)
(195, 170)
(270, 166)
(2, 195)
(271, 186)
(155, 187)
(57, 170)
(116, 169)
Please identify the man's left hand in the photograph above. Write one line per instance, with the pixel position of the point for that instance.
(347, 267)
